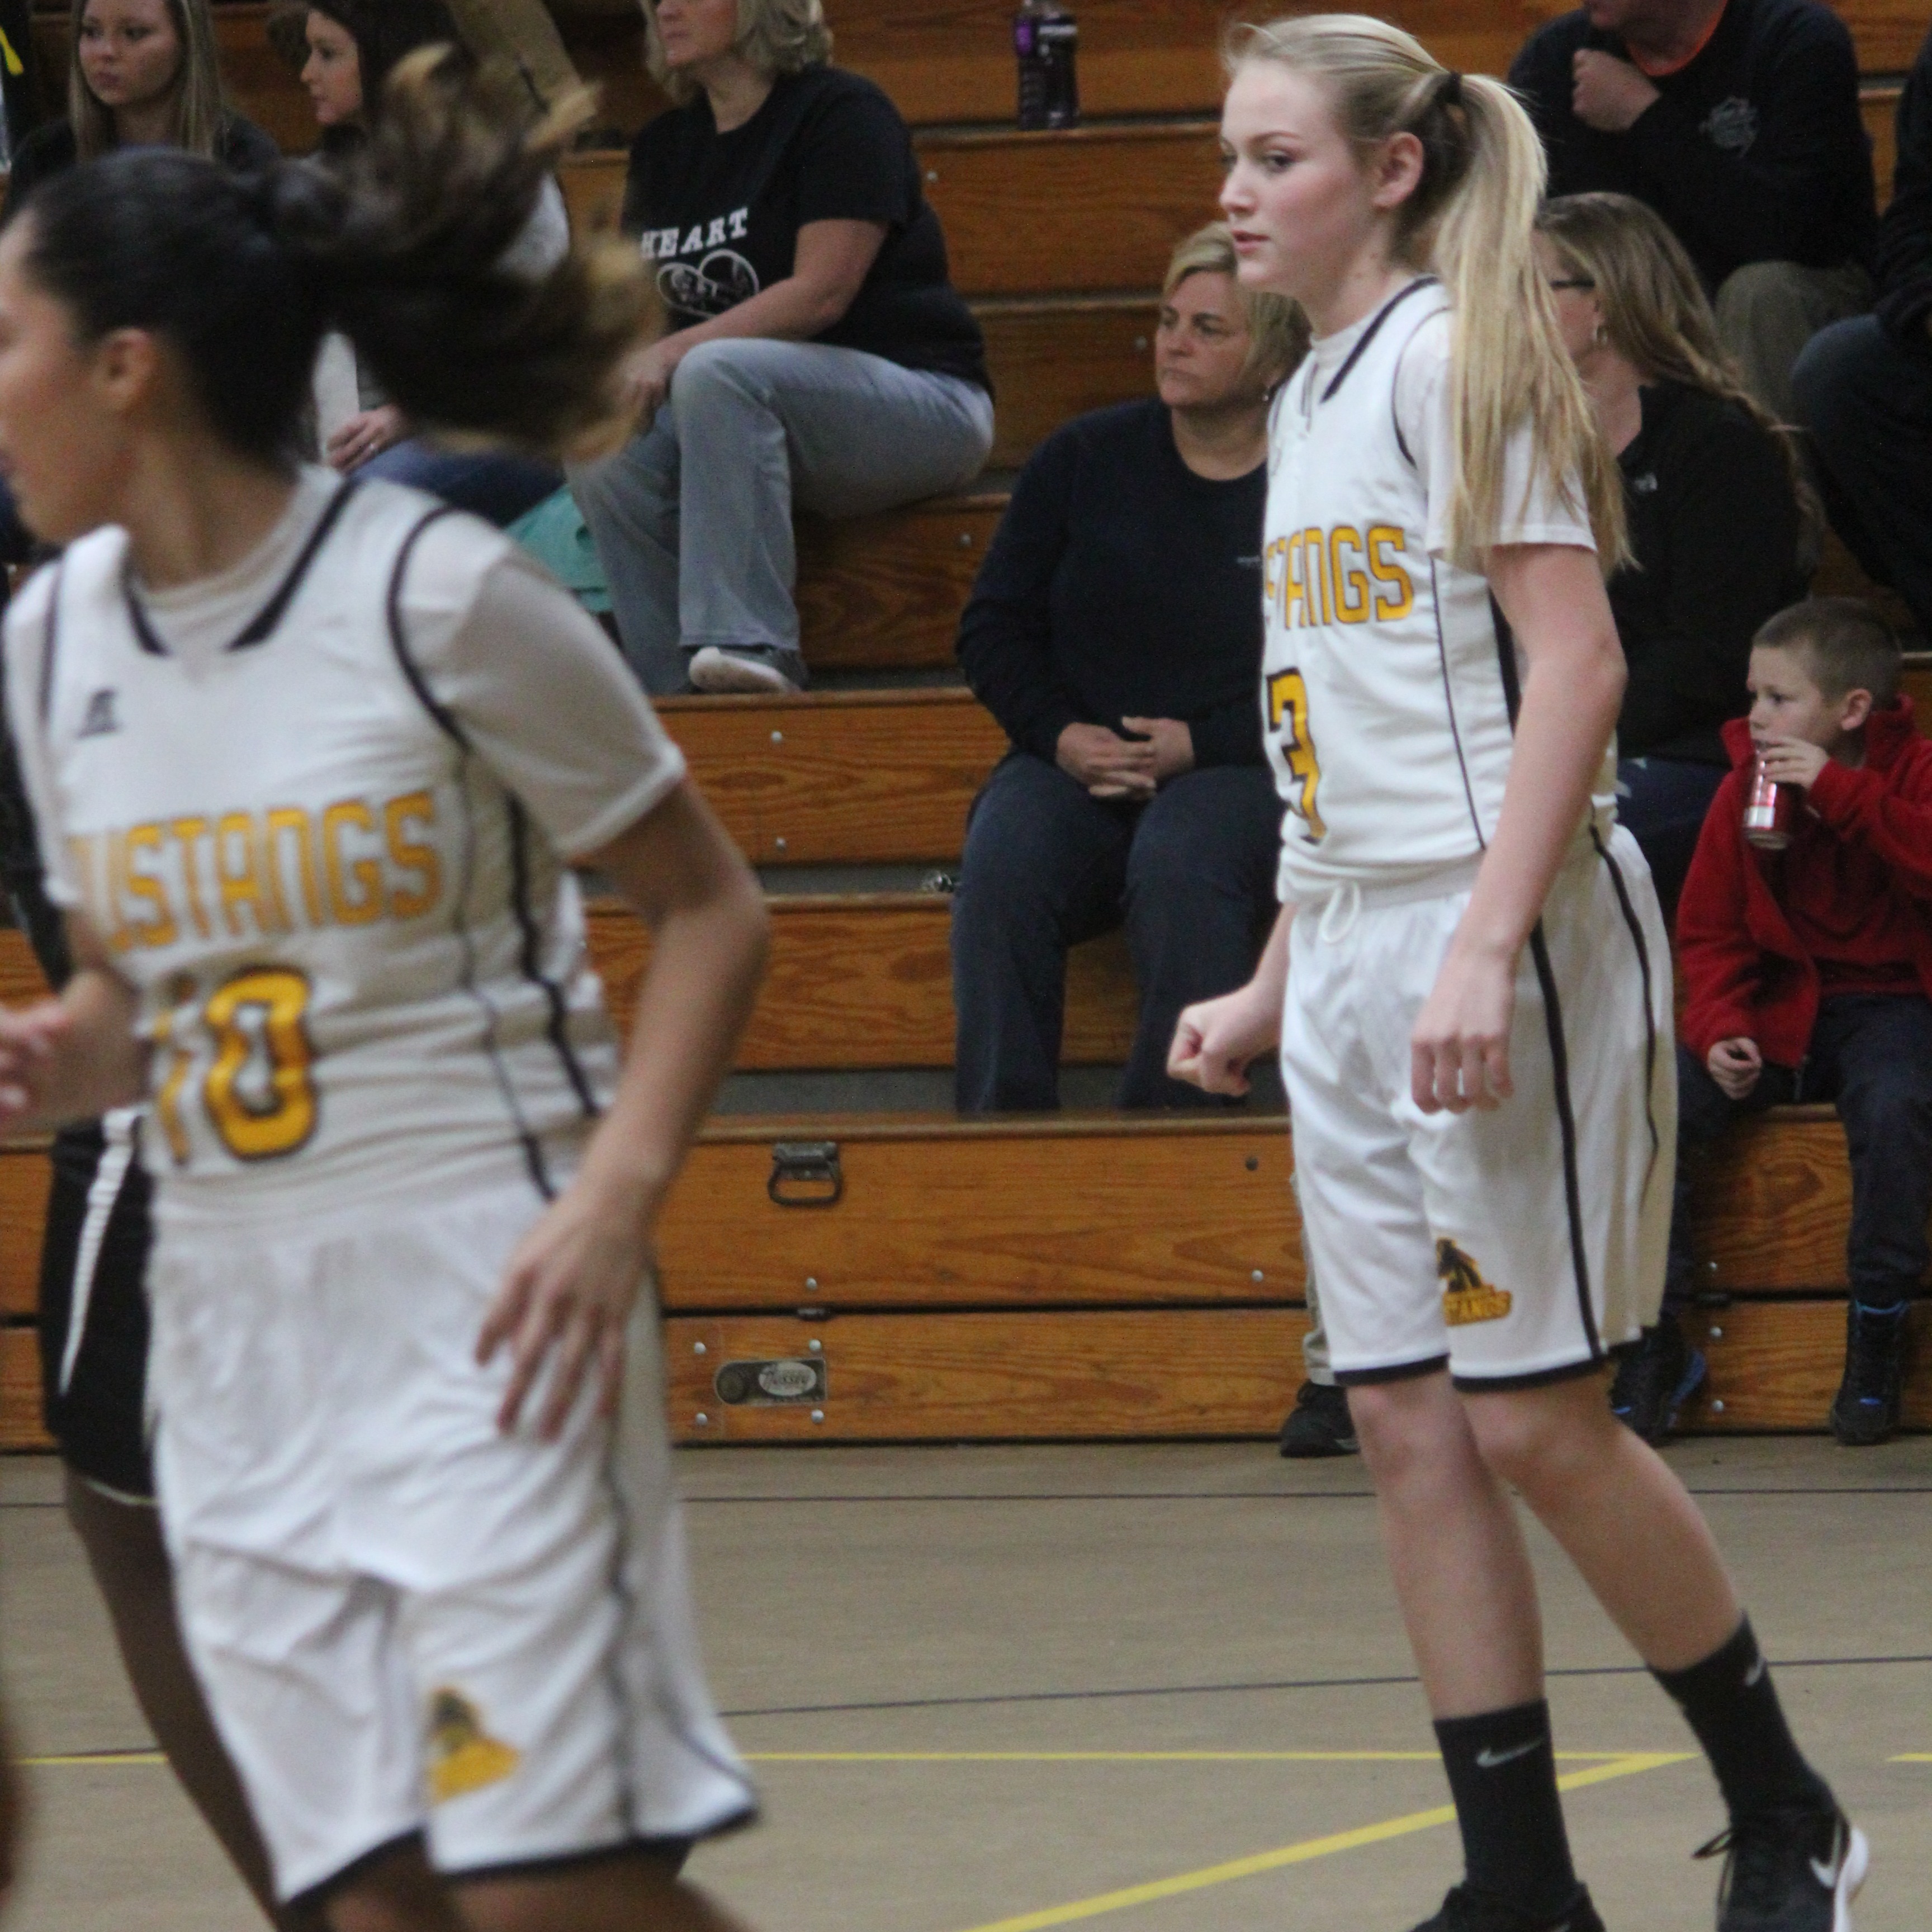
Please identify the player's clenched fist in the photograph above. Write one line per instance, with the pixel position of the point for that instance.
(1216, 1041)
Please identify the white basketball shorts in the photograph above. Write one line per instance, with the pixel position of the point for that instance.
(407, 1622)
(1513, 1246)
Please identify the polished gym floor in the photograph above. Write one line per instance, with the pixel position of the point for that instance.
(1158, 1689)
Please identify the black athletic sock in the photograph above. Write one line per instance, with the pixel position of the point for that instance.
(1502, 1772)
(1731, 1703)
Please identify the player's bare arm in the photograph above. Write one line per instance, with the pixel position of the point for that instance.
(74, 1057)
(1573, 678)
(574, 1281)
(1216, 1041)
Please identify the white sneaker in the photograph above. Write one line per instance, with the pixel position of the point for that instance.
(715, 670)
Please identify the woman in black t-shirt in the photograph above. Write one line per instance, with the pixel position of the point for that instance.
(1717, 507)
(816, 353)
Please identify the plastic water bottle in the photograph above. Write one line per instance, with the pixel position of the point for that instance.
(1045, 38)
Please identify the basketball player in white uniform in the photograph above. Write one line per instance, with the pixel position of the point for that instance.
(1470, 983)
(309, 762)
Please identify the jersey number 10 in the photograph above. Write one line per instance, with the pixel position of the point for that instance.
(259, 1088)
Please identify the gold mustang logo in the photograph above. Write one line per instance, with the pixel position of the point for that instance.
(1466, 1296)
(462, 1756)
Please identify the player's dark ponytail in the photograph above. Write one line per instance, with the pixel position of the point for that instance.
(399, 246)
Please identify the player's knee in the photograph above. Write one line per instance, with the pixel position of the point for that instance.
(1533, 1443)
(1395, 1427)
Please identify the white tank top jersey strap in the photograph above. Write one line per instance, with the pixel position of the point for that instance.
(1389, 678)
(320, 809)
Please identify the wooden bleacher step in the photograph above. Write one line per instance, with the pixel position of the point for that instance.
(1105, 1277)
(866, 981)
(852, 778)
(1052, 360)
(885, 593)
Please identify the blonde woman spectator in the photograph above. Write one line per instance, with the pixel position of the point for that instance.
(1115, 632)
(1712, 492)
(816, 354)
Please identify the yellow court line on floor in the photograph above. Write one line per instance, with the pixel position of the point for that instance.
(1300, 1854)
(1913, 1757)
(1131, 1757)
(112, 1759)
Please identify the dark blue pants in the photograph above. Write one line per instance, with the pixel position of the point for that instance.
(1867, 403)
(1871, 1055)
(1664, 802)
(491, 484)
(1190, 875)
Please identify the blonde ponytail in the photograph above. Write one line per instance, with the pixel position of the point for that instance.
(1470, 219)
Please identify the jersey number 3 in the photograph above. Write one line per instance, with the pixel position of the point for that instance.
(1288, 714)
(259, 1089)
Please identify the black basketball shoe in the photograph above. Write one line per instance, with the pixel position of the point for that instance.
(1318, 1424)
(1465, 1909)
(1790, 1871)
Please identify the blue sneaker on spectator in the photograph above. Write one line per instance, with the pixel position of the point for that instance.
(1655, 1379)
(1865, 1410)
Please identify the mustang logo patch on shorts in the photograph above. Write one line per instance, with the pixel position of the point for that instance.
(1466, 1296)
(463, 1756)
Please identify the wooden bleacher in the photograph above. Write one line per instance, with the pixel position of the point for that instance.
(1111, 1275)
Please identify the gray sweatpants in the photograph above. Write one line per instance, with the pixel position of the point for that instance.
(1767, 311)
(692, 518)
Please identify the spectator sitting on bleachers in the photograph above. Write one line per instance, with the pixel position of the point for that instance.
(1807, 975)
(816, 354)
(1738, 121)
(347, 50)
(141, 72)
(1115, 632)
(1865, 386)
(1714, 492)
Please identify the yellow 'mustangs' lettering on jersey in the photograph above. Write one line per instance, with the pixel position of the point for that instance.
(1338, 575)
(262, 873)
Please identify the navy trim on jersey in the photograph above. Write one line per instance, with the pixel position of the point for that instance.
(46, 691)
(1570, 1372)
(445, 719)
(1631, 920)
(1566, 1119)
(1369, 334)
(1449, 700)
(1398, 1372)
(271, 613)
(447, 722)
(672, 1718)
(531, 960)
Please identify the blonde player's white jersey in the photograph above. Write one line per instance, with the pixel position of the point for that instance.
(1388, 675)
(319, 811)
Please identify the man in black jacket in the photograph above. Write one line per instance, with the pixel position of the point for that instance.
(1737, 120)
(1865, 387)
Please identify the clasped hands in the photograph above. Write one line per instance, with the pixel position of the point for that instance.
(1110, 767)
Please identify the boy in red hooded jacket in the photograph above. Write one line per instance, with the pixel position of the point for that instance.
(1808, 975)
